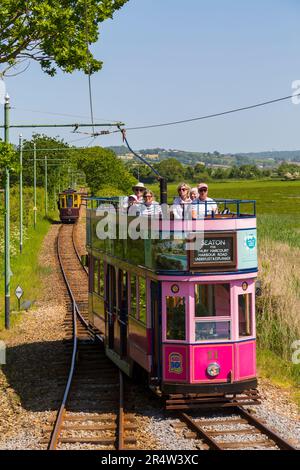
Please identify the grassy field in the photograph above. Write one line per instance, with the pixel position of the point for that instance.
(277, 205)
(273, 197)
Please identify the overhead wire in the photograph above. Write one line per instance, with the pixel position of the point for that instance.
(209, 116)
(64, 114)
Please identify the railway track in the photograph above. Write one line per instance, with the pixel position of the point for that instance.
(236, 429)
(91, 414)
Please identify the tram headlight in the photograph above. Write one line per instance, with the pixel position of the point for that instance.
(213, 369)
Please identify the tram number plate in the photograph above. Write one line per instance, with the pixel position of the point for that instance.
(214, 250)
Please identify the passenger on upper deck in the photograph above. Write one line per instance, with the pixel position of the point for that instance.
(138, 190)
(203, 205)
(193, 194)
(183, 198)
(150, 206)
(133, 205)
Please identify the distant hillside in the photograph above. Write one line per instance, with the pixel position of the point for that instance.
(265, 159)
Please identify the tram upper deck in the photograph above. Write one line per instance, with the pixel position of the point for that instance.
(223, 242)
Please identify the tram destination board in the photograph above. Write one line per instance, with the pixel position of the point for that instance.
(215, 250)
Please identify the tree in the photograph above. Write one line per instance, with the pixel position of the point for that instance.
(55, 33)
(171, 169)
(8, 159)
(58, 161)
(102, 167)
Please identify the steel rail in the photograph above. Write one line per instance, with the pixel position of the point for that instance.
(279, 441)
(97, 336)
(120, 436)
(62, 410)
(208, 438)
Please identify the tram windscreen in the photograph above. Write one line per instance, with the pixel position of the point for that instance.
(70, 200)
(212, 330)
(212, 300)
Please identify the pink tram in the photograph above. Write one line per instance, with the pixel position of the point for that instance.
(185, 316)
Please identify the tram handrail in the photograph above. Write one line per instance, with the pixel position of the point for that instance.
(117, 202)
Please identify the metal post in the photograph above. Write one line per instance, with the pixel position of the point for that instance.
(21, 191)
(46, 187)
(34, 185)
(59, 180)
(7, 272)
(54, 196)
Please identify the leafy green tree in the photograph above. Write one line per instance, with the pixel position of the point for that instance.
(54, 33)
(102, 167)
(8, 159)
(171, 169)
(60, 159)
(234, 172)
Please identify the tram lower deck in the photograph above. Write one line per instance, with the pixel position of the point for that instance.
(187, 317)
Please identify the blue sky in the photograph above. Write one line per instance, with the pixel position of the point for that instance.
(167, 60)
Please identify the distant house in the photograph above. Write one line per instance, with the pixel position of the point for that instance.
(126, 157)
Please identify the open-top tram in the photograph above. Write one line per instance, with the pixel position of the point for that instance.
(179, 302)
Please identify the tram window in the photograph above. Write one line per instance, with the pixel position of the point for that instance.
(70, 200)
(63, 202)
(123, 290)
(245, 324)
(133, 304)
(142, 299)
(96, 276)
(101, 277)
(212, 330)
(75, 200)
(212, 300)
(175, 318)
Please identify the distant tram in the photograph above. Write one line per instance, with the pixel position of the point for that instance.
(185, 317)
(69, 204)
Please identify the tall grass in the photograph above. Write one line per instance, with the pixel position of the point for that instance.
(25, 268)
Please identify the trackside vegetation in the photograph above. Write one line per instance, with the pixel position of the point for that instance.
(26, 270)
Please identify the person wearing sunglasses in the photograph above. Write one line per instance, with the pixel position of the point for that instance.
(183, 198)
(205, 205)
(150, 206)
(138, 190)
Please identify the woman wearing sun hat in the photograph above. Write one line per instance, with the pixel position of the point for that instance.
(138, 190)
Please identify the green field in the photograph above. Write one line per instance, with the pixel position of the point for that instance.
(277, 205)
(273, 197)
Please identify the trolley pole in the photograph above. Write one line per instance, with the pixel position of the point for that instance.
(34, 185)
(46, 187)
(7, 272)
(21, 191)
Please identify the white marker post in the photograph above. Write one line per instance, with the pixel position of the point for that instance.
(19, 293)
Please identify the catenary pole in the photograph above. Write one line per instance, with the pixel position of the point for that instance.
(21, 191)
(46, 187)
(34, 185)
(7, 272)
